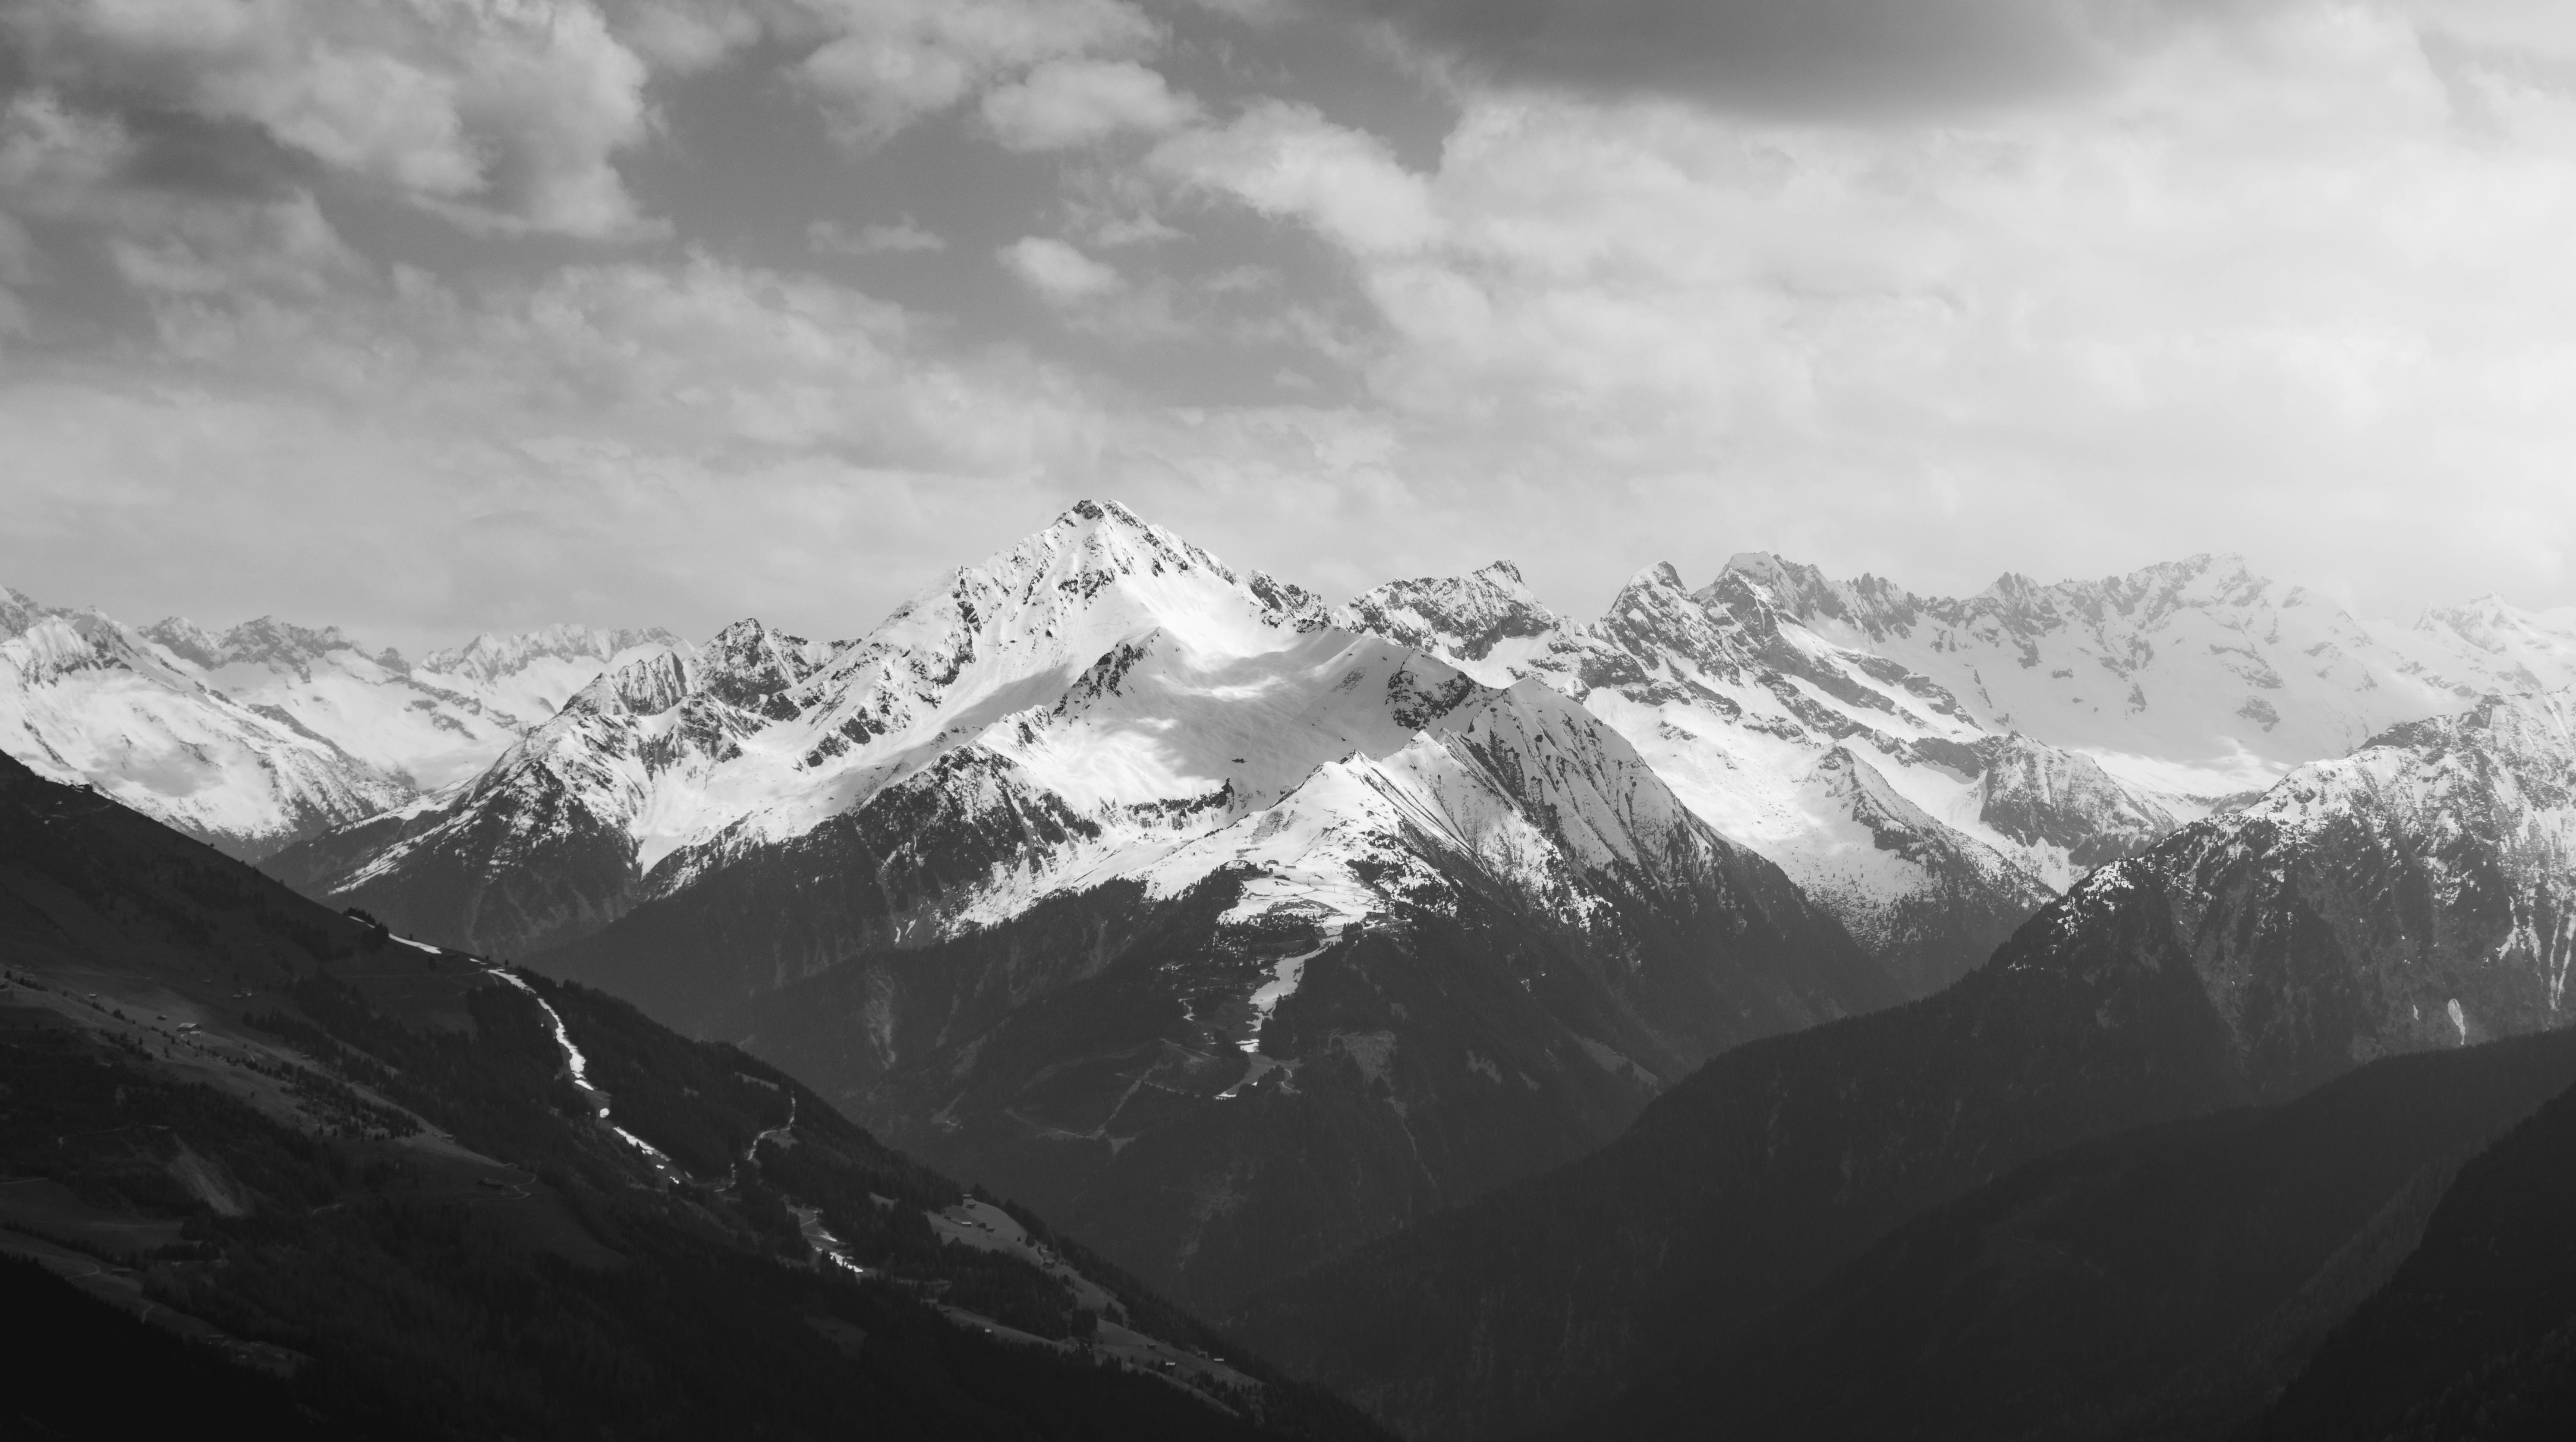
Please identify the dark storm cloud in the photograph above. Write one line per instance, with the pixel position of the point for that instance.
(1824, 59)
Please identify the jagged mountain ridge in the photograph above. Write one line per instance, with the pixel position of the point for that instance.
(545, 843)
(86, 701)
(903, 860)
(2413, 895)
(1930, 768)
(431, 723)
(1417, 975)
(2193, 676)
(258, 736)
(1345, 798)
(660, 774)
(1929, 837)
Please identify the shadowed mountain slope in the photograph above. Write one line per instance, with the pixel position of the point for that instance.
(2158, 1283)
(2413, 895)
(2475, 1335)
(437, 1199)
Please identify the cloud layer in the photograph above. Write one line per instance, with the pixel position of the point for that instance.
(503, 113)
(433, 315)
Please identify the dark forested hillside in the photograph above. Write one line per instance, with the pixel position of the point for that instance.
(2475, 1335)
(2164, 1282)
(1751, 1179)
(397, 1192)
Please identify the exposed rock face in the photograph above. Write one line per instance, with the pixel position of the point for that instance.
(2420, 892)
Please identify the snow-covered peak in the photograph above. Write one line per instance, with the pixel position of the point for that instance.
(2196, 676)
(492, 656)
(1156, 724)
(1655, 616)
(1765, 568)
(266, 642)
(2416, 893)
(648, 685)
(1091, 545)
(1873, 608)
(2535, 735)
(56, 643)
(2485, 796)
(18, 611)
(259, 732)
(1521, 783)
(1015, 630)
(754, 667)
(2141, 598)
(1486, 621)
(187, 640)
(2529, 648)
(758, 736)
(83, 699)
(1870, 606)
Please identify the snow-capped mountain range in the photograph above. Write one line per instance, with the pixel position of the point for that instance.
(1137, 885)
(1934, 769)
(258, 736)
(1152, 886)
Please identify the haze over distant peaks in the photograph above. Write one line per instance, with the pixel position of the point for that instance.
(267, 732)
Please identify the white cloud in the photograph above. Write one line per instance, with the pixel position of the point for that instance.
(830, 237)
(685, 35)
(1287, 160)
(1058, 272)
(1067, 103)
(685, 444)
(56, 161)
(172, 247)
(2275, 289)
(2290, 285)
(887, 63)
(499, 113)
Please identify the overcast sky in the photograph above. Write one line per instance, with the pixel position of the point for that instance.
(427, 316)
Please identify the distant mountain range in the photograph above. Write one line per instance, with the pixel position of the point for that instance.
(1787, 1007)
(1931, 769)
(260, 736)
(1231, 927)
